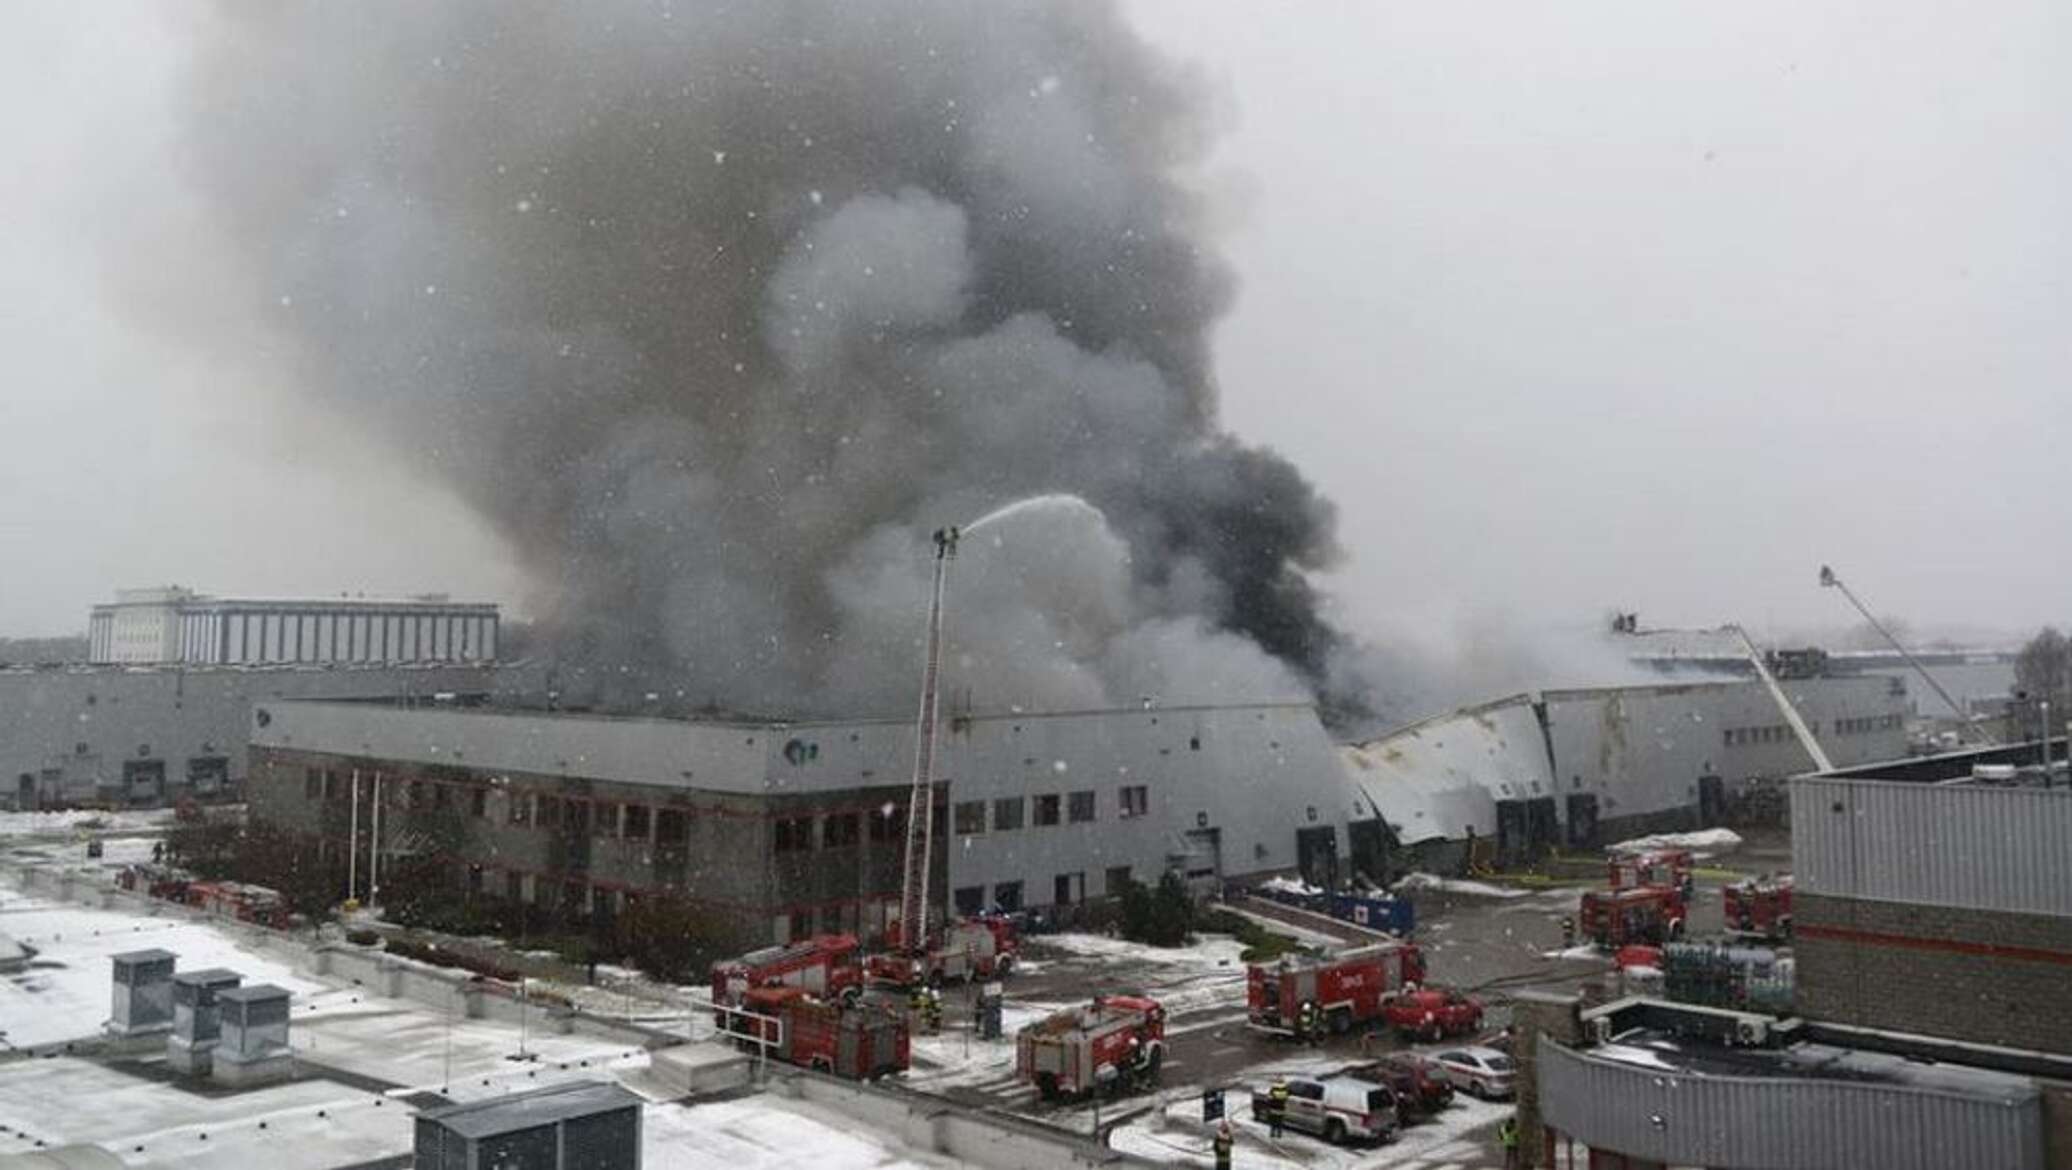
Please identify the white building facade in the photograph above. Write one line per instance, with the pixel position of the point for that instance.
(177, 626)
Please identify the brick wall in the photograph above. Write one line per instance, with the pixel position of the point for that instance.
(1983, 976)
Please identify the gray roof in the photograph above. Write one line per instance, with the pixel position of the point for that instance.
(148, 955)
(479, 1119)
(257, 991)
(209, 976)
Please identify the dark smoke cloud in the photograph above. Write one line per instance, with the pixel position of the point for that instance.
(715, 309)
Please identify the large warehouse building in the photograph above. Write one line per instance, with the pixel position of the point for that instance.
(1576, 767)
(793, 827)
(74, 735)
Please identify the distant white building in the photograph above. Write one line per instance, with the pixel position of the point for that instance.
(172, 625)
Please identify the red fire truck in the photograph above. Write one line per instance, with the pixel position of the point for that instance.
(971, 948)
(1636, 914)
(1432, 1013)
(1662, 867)
(858, 1041)
(824, 964)
(1341, 992)
(1760, 907)
(1112, 1046)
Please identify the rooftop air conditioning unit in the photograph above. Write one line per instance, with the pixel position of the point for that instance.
(1601, 1029)
(1751, 1033)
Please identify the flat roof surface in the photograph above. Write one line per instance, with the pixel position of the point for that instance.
(546, 1106)
(1656, 1049)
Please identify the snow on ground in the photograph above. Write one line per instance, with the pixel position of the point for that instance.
(767, 1133)
(1208, 952)
(1282, 885)
(1704, 839)
(957, 1057)
(21, 824)
(1579, 951)
(1426, 881)
(65, 993)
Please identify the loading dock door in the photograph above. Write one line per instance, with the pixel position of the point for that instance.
(1202, 864)
(1525, 830)
(1316, 855)
(1582, 820)
(1712, 801)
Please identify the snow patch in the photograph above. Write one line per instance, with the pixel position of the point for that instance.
(1703, 839)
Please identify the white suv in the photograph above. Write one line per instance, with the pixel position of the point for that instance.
(1338, 1109)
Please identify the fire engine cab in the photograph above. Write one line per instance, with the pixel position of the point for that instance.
(1759, 907)
(824, 965)
(1661, 867)
(1341, 992)
(1112, 1046)
(858, 1041)
(1637, 914)
(972, 948)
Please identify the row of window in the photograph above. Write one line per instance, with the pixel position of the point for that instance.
(969, 816)
(1781, 733)
(1066, 889)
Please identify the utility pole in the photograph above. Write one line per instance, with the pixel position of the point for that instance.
(352, 850)
(1829, 579)
(374, 848)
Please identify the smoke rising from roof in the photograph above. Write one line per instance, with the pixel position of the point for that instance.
(715, 310)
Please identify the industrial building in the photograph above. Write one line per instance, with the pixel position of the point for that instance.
(786, 828)
(1577, 767)
(1933, 943)
(73, 735)
(175, 625)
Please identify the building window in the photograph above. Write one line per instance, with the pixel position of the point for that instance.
(671, 828)
(1007, 813)
(575, 897)
(1080, 807)
(578, 817)
(887, 823)
(442, 797)
(636, 826)
(413, 796)
(474, 879)
(330, 785)
(1118, 879)
(604, 818)
(478, 802)
(799, 925)
(839, 831)
(1007, 896)
(1047, 809)
(521, 808)
(546, 812)
(1068, 889)
(514, 885)
(794, 834)
(969, 900)
(1136, 800)
(971, 817)
(312, 784)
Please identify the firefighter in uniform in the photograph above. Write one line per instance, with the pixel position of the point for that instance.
(1306, 1022)
(1276, 1105)
(917, 1007)
(1507, 1137)
(934, 1009)
(1224, 1141)
(1568, 931)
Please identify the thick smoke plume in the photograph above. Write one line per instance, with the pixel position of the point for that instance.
(715, 310)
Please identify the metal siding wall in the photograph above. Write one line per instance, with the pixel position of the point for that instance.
(1979, 847)
(1781, 1123)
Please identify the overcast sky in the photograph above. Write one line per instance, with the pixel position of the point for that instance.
(1567, 306)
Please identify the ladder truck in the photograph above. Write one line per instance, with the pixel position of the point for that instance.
(912, 939)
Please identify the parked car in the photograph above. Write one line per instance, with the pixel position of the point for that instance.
(1339, 1109)
(1432, 1013)
(1485, 1072)
(1421, 1085)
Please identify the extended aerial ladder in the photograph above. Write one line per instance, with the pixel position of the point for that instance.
(913, 893)
(1829, 579)
(1791, 713)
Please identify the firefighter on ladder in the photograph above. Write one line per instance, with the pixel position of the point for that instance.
(1224, 1142)
(1276, 1105)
